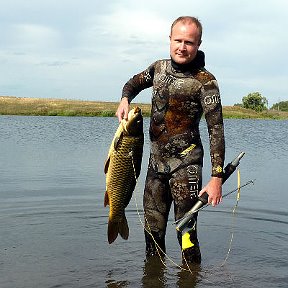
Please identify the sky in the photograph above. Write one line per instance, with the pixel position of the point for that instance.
(88, 49)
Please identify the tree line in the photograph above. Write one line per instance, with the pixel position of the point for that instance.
(259, 103)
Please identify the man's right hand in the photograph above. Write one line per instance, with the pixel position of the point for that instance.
(123, 109)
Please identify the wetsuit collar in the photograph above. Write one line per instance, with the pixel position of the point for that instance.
(196, 63)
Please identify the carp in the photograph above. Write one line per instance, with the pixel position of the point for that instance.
(122, 168)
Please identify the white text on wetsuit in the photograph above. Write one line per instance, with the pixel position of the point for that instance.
(169, 79)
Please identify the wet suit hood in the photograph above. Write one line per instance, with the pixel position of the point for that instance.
(196, 63)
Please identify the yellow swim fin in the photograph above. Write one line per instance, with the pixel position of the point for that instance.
(186, 242)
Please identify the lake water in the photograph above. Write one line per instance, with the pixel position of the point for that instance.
(54, 227)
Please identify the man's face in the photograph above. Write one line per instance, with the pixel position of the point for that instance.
(184, 42)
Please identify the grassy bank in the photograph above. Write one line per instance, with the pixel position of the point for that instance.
(237, 112)
(59, 107)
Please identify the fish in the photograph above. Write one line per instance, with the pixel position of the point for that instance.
(122, 169)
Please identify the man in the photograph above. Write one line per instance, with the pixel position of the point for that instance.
(182, 91)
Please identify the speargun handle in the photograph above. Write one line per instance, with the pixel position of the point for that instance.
(203, 199)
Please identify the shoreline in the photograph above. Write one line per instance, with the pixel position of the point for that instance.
(11, 105)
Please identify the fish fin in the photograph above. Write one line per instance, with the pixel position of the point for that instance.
(117, 140)
(123, 228)
(106, 199)
(115, 228)
(106, 165)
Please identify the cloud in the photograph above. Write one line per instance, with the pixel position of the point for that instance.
(89, 49)
(126, 34)
(31, 37)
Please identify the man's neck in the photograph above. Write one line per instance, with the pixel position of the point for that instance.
(196, 63)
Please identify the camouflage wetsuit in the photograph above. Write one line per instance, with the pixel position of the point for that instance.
(181, 94)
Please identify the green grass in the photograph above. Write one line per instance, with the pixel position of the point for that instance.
(60, 107)
(237, 112)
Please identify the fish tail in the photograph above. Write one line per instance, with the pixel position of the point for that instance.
(118, 227)
(124, 229)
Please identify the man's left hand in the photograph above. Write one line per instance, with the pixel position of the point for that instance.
(214, 190)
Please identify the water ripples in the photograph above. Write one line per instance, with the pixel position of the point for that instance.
(54, 225)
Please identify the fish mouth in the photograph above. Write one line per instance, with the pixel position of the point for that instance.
(134, 113)
(134, 125)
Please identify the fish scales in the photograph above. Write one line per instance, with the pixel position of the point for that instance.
(123, 175)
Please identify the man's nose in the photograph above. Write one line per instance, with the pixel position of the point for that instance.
(182, 46)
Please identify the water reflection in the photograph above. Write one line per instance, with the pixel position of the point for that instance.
(117, 284)
(110, 283)
(188, 277)
(156, 274)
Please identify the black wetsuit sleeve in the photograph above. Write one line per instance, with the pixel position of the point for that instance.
(138, 83)
(211, 103)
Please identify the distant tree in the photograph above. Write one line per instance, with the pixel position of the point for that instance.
(281, 106)
(255, 101)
